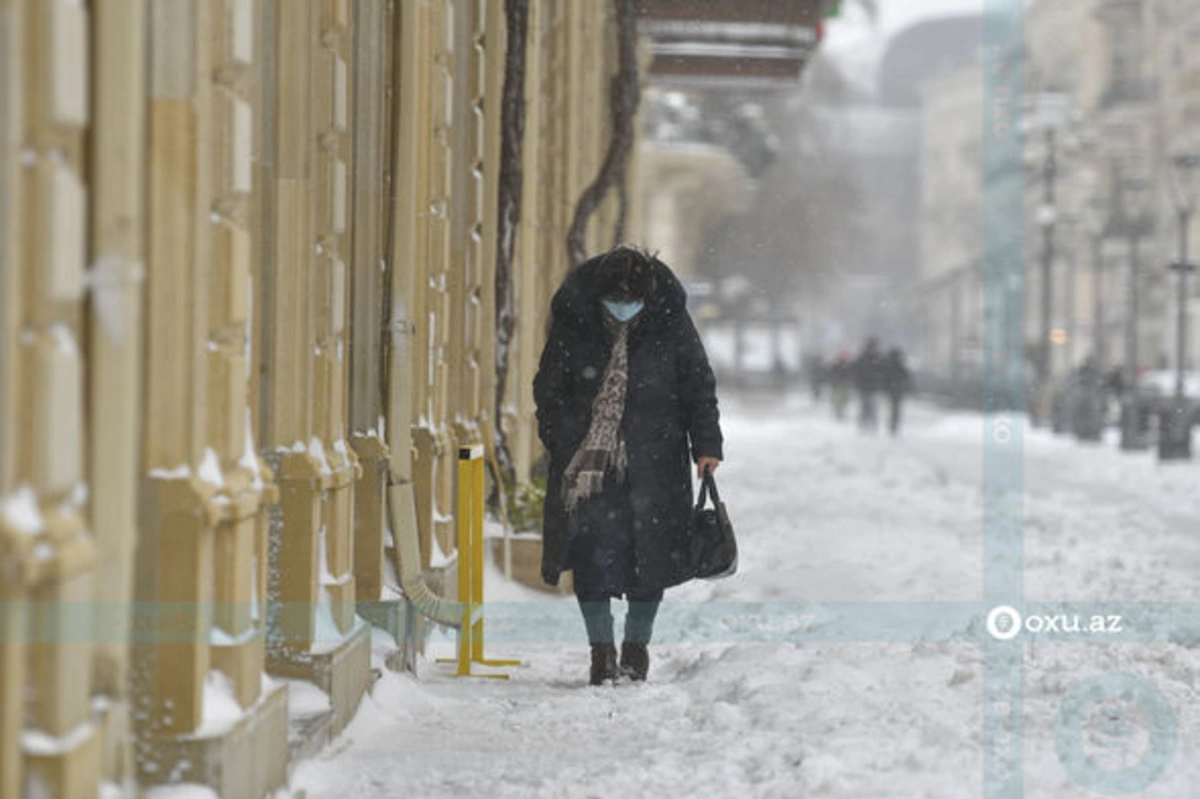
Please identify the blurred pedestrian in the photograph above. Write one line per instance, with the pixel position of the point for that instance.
(624, 396)
(841, 376)
(897, 382)
(779, 373)
(868, 379)
(1114, 382)
(817, 372)
(1088, 404)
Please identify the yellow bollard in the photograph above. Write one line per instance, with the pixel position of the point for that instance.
(470, 566)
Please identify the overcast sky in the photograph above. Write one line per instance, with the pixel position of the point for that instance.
(857, 45)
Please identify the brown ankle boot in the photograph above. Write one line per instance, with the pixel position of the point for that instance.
(635, 661)
(604, 663)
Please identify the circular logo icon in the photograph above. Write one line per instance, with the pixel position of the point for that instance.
(1120, 701)
(1005, 632)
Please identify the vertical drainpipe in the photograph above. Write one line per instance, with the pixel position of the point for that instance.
(13, 597)
(401, 501)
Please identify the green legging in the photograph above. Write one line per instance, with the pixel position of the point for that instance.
(639, 621)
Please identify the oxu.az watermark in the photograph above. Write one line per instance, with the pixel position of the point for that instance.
(1005, 622)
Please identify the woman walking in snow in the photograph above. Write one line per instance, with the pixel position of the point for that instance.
(624, 396)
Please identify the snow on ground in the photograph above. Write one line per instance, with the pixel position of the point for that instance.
(775, 683)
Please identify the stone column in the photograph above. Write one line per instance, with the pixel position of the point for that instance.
(371, 169)
(240, 554)
(13, 622)
(332, 125)
(416, 180)
(289, 333)
(314, 634)
(61, 745)
(174, 577)
(115, 325)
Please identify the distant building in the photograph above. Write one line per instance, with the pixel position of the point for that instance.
(888, 151)
(1082, 52)
(947, 286)
(1128, 73)
(1177, 60)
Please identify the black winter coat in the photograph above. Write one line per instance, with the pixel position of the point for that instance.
(671, 398)
(870, 371)
(897, 379)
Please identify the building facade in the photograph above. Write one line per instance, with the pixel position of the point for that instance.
(1118, 78)
(247, 303)
(1177, 64)
(948, 284)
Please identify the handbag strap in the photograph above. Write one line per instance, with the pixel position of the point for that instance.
(708, 485)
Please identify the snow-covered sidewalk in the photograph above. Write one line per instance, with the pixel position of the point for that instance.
(781, 681)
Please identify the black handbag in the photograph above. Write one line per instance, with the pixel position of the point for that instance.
(712, 547)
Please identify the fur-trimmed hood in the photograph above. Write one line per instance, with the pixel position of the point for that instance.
(577, 300)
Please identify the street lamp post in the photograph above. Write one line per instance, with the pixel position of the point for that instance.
(1047, 218)
(1071, 221)
(1049, 113)
(1175, 426)
(1131, 204)
(1097, 213)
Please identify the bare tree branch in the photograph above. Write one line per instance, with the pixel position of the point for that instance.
(623, 97)
(511, 178)
(622, 211)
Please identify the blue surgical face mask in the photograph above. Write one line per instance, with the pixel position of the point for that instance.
(624, 311)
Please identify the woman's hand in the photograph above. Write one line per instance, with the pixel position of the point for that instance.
(706, 462)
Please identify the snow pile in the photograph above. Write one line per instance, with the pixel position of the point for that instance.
(111, 790)
(327, 636)
(185, 790)
(218, 636)
(221, 708)
(210, 469)
(21, 513)
(180, 472)
(740, 703)
(306, 699)
(40, 744)
(316, 451)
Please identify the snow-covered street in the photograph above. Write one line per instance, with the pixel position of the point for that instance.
(846, 657)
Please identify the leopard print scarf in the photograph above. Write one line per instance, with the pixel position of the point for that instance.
(603, 447)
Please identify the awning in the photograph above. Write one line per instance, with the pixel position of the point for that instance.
(760, 42)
